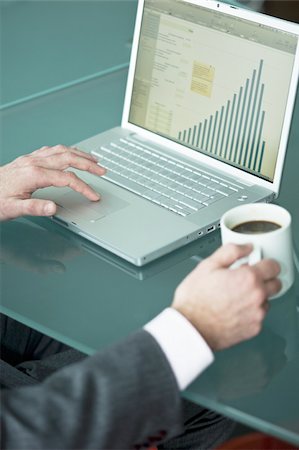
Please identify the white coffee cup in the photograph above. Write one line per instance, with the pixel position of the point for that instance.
(276, 244)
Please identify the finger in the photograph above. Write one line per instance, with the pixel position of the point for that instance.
(267, 269)
(50, 151)
(57, 178)
(40, 151)
(226, 255)
(30, 207)
(62, 161)
(272, 287)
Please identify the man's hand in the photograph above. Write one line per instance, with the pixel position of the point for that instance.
(226, 305)
(42, 168)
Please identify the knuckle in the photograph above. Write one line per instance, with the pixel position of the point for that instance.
(68, 158)
(30, 206)
(61, 147)
(41, 149)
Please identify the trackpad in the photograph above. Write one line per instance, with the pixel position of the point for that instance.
(83, 209)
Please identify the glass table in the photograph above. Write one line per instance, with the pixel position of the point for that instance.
(49, 45)
(86, 297)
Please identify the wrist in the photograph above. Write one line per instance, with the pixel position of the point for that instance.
(198, 320)
(184, 307)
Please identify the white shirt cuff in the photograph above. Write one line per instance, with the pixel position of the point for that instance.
(186, 350)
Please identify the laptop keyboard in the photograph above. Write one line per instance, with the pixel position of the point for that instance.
(162, 180)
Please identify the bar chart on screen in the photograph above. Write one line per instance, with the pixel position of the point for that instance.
(219, 87)
(235, 131)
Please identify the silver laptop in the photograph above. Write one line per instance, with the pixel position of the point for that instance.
(207, 112)
(73, 245)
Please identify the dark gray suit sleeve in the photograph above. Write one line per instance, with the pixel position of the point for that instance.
(121, 398)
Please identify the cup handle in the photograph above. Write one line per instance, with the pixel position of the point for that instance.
(254, 257)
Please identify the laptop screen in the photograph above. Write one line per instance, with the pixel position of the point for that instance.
(216, 83)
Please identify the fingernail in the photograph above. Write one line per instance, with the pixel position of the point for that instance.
(96, 196)
(49, 209)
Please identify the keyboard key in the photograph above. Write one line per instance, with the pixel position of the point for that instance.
(187, 202)
(199, 198)
(217, 196)
(225, 191)
(209, 201)
(206, 192)
(125, 182)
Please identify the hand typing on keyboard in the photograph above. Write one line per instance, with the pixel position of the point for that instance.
(42, 168)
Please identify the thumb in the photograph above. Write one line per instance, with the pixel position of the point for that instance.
(226, 255)
(37, 207)
(31, 207)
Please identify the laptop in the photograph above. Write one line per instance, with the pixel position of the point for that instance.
(68, 247)
(208, 107)
(54, 244)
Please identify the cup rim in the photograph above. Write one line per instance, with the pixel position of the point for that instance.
(258, 206)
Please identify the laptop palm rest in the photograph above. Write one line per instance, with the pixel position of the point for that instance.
(91, 211)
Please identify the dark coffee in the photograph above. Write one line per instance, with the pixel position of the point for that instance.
(256, 227)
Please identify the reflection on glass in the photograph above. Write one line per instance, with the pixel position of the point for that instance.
(247, 369)
(252, 366)
(35, 249)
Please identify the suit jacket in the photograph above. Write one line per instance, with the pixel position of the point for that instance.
(122, 398)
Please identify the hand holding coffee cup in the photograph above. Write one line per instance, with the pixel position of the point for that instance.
(268, 228)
